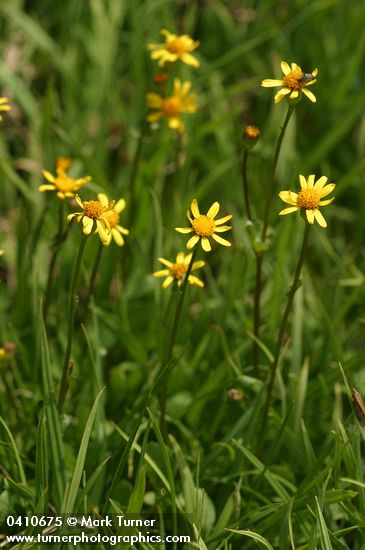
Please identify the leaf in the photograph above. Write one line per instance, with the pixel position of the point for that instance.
(80, 461)
(255, 536)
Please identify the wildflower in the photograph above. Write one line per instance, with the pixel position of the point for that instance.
(173, 106)
(309, 198)
(293, 84)
(62, 182)
(175, 47)
(204, 226)
(63, 162)
(94, 215)
(176, 270)
(4, 105)
(112, 218)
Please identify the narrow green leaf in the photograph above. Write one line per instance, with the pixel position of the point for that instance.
(80, 461)
(255, 536)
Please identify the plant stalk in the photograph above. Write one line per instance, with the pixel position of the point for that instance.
(170, 345)
(258, 278)
(283, 324)
(74, 299)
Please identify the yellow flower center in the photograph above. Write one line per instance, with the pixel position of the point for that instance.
(93, 209)
(308, 199)
(113, 218)
(178, 270)
(177, 45)
(291, 80)
(172, 106)
(203, 226)
(65, 184)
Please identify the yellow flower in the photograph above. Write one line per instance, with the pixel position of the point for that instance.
(176, 270)
(309, 198)
(63, 162)
(112, 218)
(171, 107)
(94, 216)
(293, 83)
(4, 105)
(62, 183)
(175, 47)
(204, 226)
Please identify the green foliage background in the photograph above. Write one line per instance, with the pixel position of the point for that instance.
(77, 75)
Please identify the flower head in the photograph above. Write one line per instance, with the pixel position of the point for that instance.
(62, 182)
(173, 106)
(293, 84)
(63, 162)
(175, 47)
(176, 270)
(309, 198)
(94, 216)
(112, 218)
(204, 226)
(4, 106)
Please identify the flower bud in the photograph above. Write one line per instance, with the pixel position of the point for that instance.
(160, 77)
(235, 395)
(250, 136)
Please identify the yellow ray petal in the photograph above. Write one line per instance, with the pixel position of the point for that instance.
(288, 210)
(219, 240)
(195, 208)
(320, 219)
(213, 210)
(310, 216)
(192, 242)
(310, 95)
(206, 244)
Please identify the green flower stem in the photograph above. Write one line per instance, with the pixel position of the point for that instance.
(92, 281)
(283, 324)
(246, 195)
(270, 191)
(59, 239)
(171, 342)
(134, 171)
(258, 278)
(74, 299)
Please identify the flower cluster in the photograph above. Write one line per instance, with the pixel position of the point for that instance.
(172, 105)
(99, 215)
(203, 226)
(102, 217)
(310, 197)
